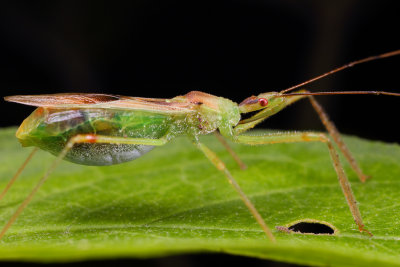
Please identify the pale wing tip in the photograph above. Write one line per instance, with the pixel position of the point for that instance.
(10, 98)
(22, 99)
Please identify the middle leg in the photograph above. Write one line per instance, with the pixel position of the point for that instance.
(221, 167)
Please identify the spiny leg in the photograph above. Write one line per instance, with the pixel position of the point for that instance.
(230, 150)
(221, 167)
(330, 126)
(18, 173)
(313, 137)
(82, 138)
(249, 123)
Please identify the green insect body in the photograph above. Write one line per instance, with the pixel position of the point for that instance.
(51, 128)
(55, 127)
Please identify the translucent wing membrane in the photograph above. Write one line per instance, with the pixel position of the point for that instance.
(76, 100)
(53, 100)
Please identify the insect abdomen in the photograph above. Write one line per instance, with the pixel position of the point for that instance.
(50, 130)
(105, 154)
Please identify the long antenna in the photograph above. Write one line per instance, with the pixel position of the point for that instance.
(349, 65)
(344, 93)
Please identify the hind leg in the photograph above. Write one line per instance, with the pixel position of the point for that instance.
(18, 173)
(82, 138)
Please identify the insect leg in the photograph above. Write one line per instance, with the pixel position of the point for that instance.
(17, 174)
(336, 137)
(247, 124)
(81, 138)
(312, 137)
(221, 167)
(230, 150)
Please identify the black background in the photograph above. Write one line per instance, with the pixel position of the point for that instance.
(228, 48)
(231, 48)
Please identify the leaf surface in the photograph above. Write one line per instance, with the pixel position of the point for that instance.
(173, 201)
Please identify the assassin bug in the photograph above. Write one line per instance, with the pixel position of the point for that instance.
(101, 129)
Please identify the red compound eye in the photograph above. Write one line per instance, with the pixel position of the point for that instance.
(263, 102)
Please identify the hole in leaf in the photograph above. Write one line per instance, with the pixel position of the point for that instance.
(312, 228)
(309, 226)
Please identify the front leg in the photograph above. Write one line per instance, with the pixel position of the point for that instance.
(312, 137)
(249, 123)
(333, 131)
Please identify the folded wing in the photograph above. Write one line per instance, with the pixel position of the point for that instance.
(82, 100)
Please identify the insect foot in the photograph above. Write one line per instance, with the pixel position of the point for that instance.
(362, 229)
(310, 227)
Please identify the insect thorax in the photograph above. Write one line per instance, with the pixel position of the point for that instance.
(212, 112)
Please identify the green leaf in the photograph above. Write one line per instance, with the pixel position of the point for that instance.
(172, 200)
